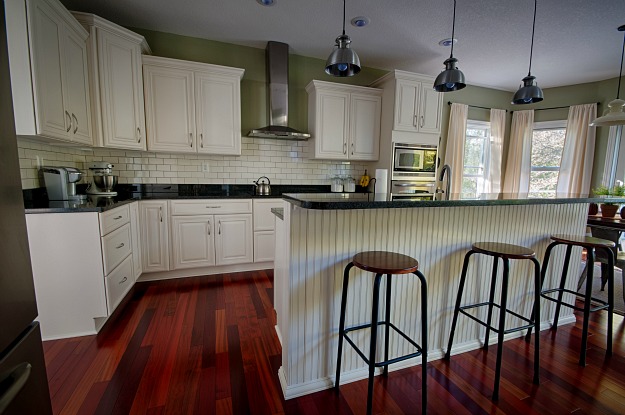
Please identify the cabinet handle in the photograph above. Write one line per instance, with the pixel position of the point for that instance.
(160, 213)
(69, 126)
(219, 229)
(123, 280)
(76, 119)
(213, 207)
(414, 120)
(13, 383)
(120, 246)
(344, 148)
(352, 149)
(202, 140)
(117, 217)
(191, 139)
(422, 122)
(209, 227)
(139, 134)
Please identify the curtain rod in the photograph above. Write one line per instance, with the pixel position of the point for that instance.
(556, 108)
(474, 106)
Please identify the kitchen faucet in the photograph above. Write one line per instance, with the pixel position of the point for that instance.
(445, 168)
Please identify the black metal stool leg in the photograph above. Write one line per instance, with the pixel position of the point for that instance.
(565, 271)
(610, 275)
(536, 319)
(502, 327)
(424, 342)
(491, 300)
(342, 324)
(387, 318)
(463, 277)
(588, 293)
(374, 338)
(543, 275)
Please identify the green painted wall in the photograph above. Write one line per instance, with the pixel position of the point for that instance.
(253, 86)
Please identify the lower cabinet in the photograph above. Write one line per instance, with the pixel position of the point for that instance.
(193, 241)
(233, 241)
(154, 235)
(264, 229)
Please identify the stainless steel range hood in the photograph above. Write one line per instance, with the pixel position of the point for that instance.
(277, 55)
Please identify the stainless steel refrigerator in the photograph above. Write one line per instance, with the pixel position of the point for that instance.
(23, 380)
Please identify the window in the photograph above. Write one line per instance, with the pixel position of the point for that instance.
(547, 146)
(476, 157)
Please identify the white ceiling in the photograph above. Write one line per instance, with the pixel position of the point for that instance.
(576, 41)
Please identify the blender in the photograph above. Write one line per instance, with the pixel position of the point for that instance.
(103, 179)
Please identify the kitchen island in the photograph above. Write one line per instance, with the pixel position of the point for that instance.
(320, 233)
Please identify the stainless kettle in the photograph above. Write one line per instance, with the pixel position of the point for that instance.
(262, 188)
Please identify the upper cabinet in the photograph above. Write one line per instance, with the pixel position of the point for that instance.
(412, 109)
(344, 121)
(116, 81)
(192, 107)
(49, 78)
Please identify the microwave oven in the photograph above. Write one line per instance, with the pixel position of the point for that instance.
(418, 160)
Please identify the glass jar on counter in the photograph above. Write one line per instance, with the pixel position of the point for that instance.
(336, 184)
(349, 184)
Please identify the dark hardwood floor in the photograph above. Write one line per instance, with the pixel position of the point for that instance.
(207, 345)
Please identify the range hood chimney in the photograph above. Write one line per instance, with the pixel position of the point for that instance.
(277, 56)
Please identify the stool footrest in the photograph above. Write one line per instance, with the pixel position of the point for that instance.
(603, 304)
(418, 353)
(495, 329)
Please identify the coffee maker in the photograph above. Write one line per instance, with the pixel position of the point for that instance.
(103, 179)
(61, 183)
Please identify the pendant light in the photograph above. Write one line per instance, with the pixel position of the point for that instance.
(343, 61)
(451, 79)
(529, 93)
(615, 114)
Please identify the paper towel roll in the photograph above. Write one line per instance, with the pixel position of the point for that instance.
(381, 180)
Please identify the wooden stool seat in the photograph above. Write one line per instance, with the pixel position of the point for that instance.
(504, 250)
(383, 262)
(584, 241)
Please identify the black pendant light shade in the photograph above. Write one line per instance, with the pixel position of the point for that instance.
(529, 92)
(343, 61)
(452, 78)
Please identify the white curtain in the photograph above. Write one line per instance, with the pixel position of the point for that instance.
(497, 133)
(579, 150)
(454, 151)
(517, 175)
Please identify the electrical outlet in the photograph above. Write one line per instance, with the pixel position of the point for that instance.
(205, 168)
(39, 162)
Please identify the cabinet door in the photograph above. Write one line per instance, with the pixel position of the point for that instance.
(406, 96)
(77, 87)
(193, 239)
(46, 31)
(264, 220)
(154, 236)
(364, 131)
(430, 110)
(331, 125)
(135, 233)
(233, 239)
(169, 109)
(264, 246)
(218, 114)
(121, 88)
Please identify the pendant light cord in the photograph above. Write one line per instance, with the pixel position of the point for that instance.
(620, 74)
(529, 72)
(453, 30)
(344, 17)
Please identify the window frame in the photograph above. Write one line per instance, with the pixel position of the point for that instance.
(478, 124)
(541, 126)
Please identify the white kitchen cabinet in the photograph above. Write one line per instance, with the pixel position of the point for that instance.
(193, 241)
(154, 235)
(344, 121)
(49, 78)
(116, 80)
(411, 105)
(233, 239)
(264, 228)
(135, 230)
(192, 107)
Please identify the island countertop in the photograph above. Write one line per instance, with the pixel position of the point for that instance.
(340, 201)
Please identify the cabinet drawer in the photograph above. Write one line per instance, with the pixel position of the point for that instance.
(210, 206)
(113, 219)
(118, 283)
(264, 220)
(115, 247)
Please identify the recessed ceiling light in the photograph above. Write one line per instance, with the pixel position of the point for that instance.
(266, 2)
(360, 21)
(447, 42)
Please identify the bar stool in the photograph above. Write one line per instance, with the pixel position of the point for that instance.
(389, 263)
(505, 252)
(590, 244)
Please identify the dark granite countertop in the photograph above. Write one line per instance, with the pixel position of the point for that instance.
(338, 201)
(279, 212)
(36, 200)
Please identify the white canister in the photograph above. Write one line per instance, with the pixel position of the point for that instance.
(337, 185)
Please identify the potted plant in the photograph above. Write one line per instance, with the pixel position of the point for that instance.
(609, 209)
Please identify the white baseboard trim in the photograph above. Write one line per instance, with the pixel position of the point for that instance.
(198, 272)
(306, 388)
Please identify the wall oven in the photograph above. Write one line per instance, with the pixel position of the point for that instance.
(412, 190)
(414, 160)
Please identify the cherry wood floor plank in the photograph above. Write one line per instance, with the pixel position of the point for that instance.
(92, 400)
(238, 385)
